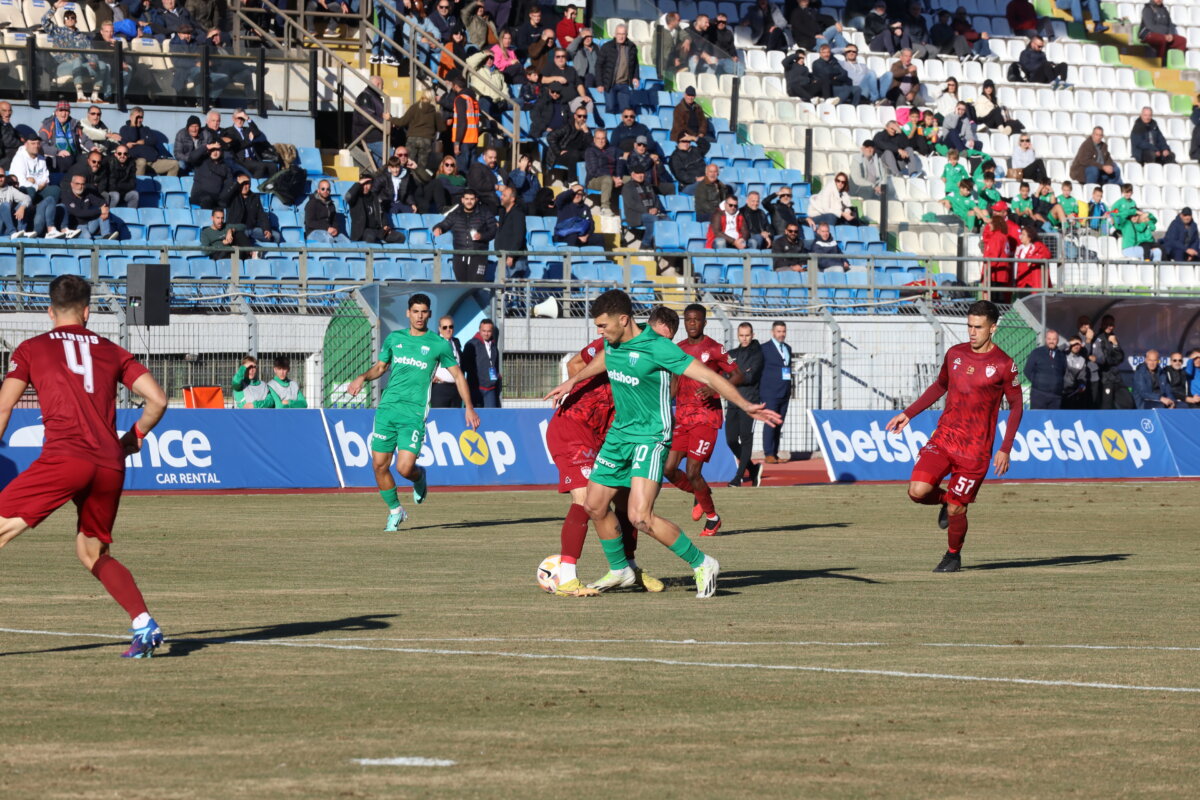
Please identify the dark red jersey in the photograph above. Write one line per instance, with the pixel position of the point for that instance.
(76, 373)
(690, 407)
(973, 384)
(591, 402)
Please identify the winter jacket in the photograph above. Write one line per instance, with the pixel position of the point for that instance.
(1179, 238)
(1146, 137)
(709, 197)
(830, 71)
(77, 142)
(687, 166)
(568, 137)
(638, 199)
(606, 62)
(371, 102)
(246, 210)
(691, 120)
(548, 114)
(585, 60)
(826, 250)
(210, 179)
(717, 237)
(320, 215)
(120, 176)
(366, 211)
(1089, 154)
(1149, 386)
(460, 222)
(601, 163)
(84, 208)
(1157, 19)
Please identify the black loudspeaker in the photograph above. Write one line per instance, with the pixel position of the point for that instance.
(148, 294)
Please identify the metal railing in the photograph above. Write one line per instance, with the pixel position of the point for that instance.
(149, 77)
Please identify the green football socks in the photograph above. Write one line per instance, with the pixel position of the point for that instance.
(684, 548)
(389, 497)
(614, 551)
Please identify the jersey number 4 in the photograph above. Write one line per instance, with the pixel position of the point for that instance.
(79, 361)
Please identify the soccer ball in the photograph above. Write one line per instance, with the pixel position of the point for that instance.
(547, 573)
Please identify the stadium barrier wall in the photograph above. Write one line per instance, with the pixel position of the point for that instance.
(1050, 445)
(317, 449)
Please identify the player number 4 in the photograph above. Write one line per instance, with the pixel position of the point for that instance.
(80, 362)
(963, 486)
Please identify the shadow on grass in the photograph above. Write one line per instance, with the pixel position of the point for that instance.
(799, 526)
(482, 523)
(1056, 561)
(762, 577)
(184, 644)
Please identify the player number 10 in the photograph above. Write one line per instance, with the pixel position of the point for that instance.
(80, 362)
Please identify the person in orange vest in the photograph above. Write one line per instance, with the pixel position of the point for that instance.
(464, 128)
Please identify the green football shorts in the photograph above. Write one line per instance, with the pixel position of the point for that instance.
(397, 429)
(618, 461)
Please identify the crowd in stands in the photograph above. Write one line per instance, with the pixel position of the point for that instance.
(1084, 372)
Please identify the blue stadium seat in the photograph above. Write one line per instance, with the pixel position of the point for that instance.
(158, 233)
(310, 159)
(256, 269)
(187, 234)
(178, 216)
(175, 200)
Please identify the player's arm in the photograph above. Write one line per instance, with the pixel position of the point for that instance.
(702, 374)
(1012, 393)
(153, 408)
(564, 388)
(460, 383)
(733, 375)
(10, 392)
(575, 364)
(373, 373)
(930, 396)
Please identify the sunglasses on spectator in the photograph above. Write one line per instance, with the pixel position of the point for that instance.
(851, 52)
(323, 189)
(793, 230)
(401, 154)
(581, 116)
(1176, 360)
(785, 196)
(447, 327)
(1024, 141)
(121, 153)
(721, 21)
(448, 164)
(93, 113)
(627, 116)
(93, 161)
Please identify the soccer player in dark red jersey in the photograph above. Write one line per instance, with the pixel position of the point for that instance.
(698, 417)
(974, 376)
(574, 437)
(76, 374)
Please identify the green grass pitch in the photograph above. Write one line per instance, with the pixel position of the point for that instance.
(832, 664)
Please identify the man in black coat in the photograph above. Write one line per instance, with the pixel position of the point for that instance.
(120, 187)
(511, 234)
(369, 222)
(211, 177)
(472, 228)
(798, 79)
(243, 207)
(481, 362)
(1045, 369)
(783, 213)
(739, 426)
(687, 164)
(398, 184)
(10, 140)
(487, 178)
(618, 71)
(444, 393)
(322, 222)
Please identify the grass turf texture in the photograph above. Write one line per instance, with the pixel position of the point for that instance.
(1095, 564)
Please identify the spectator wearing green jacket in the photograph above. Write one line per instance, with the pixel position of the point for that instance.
(248, 390)
(966, 205)
(285, 393)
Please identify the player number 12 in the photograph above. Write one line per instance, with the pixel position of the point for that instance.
(80, 362)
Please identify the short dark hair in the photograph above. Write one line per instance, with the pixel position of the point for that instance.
(70, 293)
(665, 316)
(984, 308)
(778, 324)
(696, 307)
(746, 325)
(419, 299)
(614, 301)
(487, 321)
(471, 192)
(394, 161)
(283, 362)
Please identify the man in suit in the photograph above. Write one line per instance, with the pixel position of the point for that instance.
(481, 360)
(1045, 368)
(776, 386)
(444, 394)
(247, 144)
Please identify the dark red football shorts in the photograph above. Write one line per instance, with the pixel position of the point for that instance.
(53, 480)
(965, 476)
(573, 445)
(697, 441)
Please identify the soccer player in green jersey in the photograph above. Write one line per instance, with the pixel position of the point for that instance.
(415, 355)
(640, 364)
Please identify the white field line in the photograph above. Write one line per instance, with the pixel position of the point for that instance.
(316, 644)
(403, 761)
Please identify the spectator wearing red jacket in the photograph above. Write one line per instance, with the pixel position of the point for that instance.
(1030, 273)
(568, 28)
(727, 229)
(999, 242)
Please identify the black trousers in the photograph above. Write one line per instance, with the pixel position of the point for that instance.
(739, 435)
(1040, 399)
(444, 395)
(471, 268)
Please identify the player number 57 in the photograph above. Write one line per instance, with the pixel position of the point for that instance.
(79, 361)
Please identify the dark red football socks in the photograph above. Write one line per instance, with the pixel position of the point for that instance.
(704, 498)
(957, 532)
(681, 482)
(120, 584)
(629, 534)
(574, 531)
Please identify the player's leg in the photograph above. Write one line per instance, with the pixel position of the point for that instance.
(673, 473)
(598, 502)
(98, 503)
(571, 537)
(961, 491)
(629, 535)
(410, 437)
(925, 484)
(642, 493)
(11, 528)
(701, 442)
(383, 446)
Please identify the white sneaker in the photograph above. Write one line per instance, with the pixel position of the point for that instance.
(54, 233)
(17, 234)
(615, 579)
(706, 577)
(833, 101)
(70, 233)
